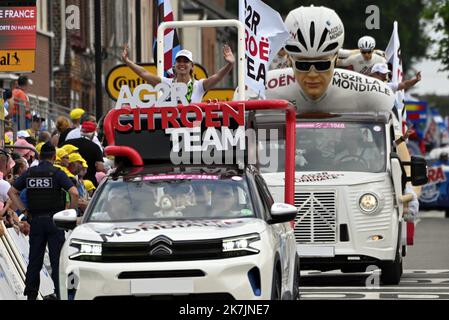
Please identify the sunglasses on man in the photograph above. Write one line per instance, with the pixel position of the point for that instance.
(305, 65)
(366, 52)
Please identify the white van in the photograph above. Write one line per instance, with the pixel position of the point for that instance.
(348, 188)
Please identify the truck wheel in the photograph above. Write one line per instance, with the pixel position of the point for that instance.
(296, 279)
(447, 214)
(276, 285)
(392, 272)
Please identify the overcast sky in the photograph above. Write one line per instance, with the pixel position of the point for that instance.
(433, 81)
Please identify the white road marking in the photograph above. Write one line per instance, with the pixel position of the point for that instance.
(374, 295)
(323, 296)
(418, 296)
(383, 288)
(407, 271)
(431, 214)
(423, 284)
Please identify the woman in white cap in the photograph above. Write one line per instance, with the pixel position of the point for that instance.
(183, 70)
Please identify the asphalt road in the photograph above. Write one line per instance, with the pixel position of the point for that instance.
(431, 248)
(426, 270)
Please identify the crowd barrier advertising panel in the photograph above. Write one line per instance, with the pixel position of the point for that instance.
(11, 282)
(18, 37)
(21, 247)
(14, 251)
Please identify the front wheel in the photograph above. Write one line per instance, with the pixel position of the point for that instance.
(276, 285)
(296, 279)
(392, 272)
(447, 213)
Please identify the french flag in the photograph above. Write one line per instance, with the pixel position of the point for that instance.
(163, 12)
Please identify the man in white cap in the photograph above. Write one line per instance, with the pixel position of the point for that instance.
(183, 70)
(380, 71)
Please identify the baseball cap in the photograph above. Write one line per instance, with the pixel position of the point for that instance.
(89, 185)
(185, 53)
(60, 153)
(380, 68)
(23, 143)
(76, 113)
(88, 127)
(23, 134)
(84, 164)
(69, 148)
(73, 157)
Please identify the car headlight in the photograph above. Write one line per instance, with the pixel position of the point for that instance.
(86, 250)
(240, 246)
(368, 203)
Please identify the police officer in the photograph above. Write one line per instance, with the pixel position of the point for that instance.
(44, 187)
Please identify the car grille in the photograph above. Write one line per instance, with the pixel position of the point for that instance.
(158, 274)
(162, 251)
(316, 221)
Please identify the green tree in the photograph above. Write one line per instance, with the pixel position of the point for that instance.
(413, 40)
(437, 11)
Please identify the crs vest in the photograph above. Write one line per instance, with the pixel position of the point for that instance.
(43, 192)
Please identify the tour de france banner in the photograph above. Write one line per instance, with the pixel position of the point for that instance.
(18, 36)
(265, 35)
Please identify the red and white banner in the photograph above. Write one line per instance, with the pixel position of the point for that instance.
(265, 35)
(163, 12)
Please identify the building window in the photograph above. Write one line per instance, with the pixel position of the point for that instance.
(74, 99)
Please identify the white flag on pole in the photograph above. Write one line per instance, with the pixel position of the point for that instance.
(393, 53)
(265, 35)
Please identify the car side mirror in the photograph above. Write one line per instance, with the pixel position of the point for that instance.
(282, 212)
(418, 169)
(66, 219)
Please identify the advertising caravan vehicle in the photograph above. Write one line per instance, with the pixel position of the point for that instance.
(157, 229)
(349, 186)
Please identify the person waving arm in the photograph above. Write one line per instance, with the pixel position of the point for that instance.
(216, 78)
(140, 71)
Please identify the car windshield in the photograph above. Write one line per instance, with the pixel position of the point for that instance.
(168, 197)
(330, 146)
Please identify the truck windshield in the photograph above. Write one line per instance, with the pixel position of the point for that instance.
(168, 197)
(330, 146)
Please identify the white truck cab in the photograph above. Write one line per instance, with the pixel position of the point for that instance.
(348, 188)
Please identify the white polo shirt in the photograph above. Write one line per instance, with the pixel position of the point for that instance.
(198, 89)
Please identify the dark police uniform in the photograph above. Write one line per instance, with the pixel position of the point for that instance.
(45, 196)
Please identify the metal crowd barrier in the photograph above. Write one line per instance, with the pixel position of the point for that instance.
(36, 106)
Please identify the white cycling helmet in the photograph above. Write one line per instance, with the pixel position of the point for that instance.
(367, 43)
(314, 31)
